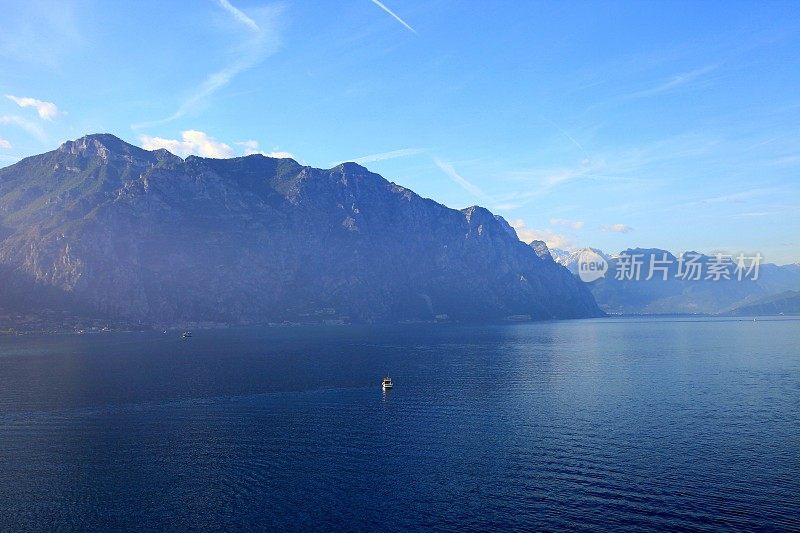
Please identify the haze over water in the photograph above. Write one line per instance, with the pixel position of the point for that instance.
(637, 423)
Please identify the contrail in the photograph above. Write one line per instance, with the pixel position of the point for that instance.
(392, 13)
(382, 156)
(568, 136)
(447, 168)
(238, 14)
(676, 81)
(259, 44)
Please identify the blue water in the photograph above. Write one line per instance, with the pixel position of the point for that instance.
(611, 423)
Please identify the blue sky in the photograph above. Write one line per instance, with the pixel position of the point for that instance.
(613, 124)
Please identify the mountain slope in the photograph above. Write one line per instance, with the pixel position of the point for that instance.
(785, 303)
(148, 236)
(677, 295)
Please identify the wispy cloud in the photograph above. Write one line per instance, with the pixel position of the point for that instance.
(259, 44)
(550, 238)
(31, 127)
(40, 32)
(536, 186)
(737, 197)
(757, 214)
(537, 183)
(569, 137)
(192, 142)
(238, 14)
(45, 110)
(447, 168)
(4, 143)
(574, 224)
(616, 228)
(540, 182)
(615, 169)
(785, 161)
(394, 154)
(675, 81)
(393, 14)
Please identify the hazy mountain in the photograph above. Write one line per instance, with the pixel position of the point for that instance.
(784, 303)
(677, 295)
(102, 225)
(570, 258)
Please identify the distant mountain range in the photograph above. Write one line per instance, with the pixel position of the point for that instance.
(784, 303)
(677, 295)
(105, 228)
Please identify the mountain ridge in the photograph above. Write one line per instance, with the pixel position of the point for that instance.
(149, 236)
(678, 296)
(783, 303)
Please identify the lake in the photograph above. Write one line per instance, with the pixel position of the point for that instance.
(585, 424)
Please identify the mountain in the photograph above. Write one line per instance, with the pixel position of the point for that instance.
(114, 230)
(677, 295)
(784, 303)
(541, 250)
(570, 259)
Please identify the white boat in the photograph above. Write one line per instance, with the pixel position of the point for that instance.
(387, 383)
(186, 334)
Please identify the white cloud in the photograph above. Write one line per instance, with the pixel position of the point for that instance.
(279, 154)
(4, 143)
(616, 228)
(45, 110)
(550, 238)
(251, 148)
(394, 15)
(574, 224)
(192, 142)
(31, 127)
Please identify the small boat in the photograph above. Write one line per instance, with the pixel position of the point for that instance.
(387, 383)
(186, 334)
